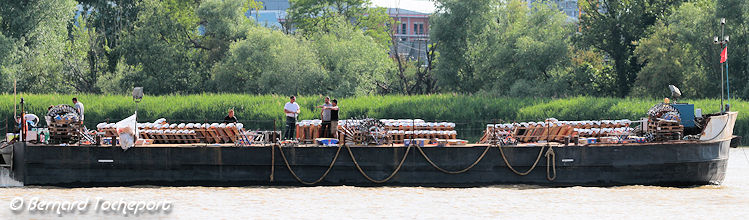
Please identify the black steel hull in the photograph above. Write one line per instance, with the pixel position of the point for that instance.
(675, 164)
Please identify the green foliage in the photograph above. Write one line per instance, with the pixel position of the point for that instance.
(512, 47)
(589, 74)
(736, 13)
(86, 61)
(224, 23)
(39, 29)
(454, 27)
(8, 66)
(614, 26)
(495, 48)
(111, 20)
(313, 16)
(160, 44)
(356, 63)
(269, 61)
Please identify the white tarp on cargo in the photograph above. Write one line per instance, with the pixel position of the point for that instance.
(127, 131)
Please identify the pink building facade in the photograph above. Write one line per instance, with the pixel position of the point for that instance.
(412, 26)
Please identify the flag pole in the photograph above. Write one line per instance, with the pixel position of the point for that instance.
(14, 99)
(728, 86)
(722, 29)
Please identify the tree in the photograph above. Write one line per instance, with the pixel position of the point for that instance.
(454, 25)
(736, 13)
(160, 46)
(613, 26)
(312, 16)
(85, 58)
(268, 61)
(588, 74)
(356, 64)
(8, 63)
(511, 44)
(224, 23)
(38, 29)
(414, 76)
(111, 19)
(679, 52)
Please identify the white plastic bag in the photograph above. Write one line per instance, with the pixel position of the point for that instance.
(127, 131)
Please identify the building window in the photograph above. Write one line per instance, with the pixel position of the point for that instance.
(418, 28)
(404, 29)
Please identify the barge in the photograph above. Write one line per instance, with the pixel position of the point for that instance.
(664, 163)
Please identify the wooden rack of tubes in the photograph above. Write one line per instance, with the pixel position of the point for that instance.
(557, 131)
(401, 129)
(183, 133)
(397, 129)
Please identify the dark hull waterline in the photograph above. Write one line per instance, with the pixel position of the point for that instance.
(664, 164)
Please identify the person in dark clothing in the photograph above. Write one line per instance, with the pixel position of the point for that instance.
(230, 118)
(334, 119)
(325, 117)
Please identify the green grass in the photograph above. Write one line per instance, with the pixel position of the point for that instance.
(259, 111)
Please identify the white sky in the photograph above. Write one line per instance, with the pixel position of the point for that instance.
(414, 5)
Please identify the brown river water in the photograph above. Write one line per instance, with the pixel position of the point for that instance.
(727, 201)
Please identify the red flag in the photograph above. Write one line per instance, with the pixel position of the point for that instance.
(724, 55)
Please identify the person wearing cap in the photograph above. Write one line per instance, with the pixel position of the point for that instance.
(291, 109)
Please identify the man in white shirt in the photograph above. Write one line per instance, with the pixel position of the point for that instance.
(291, 109)
(78, 106)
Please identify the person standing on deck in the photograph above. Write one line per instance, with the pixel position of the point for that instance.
(325, 116)
(291, 109)
(334, 119)
(230, 118)
(79, 107)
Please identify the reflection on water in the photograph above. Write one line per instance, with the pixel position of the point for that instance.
(727, 201)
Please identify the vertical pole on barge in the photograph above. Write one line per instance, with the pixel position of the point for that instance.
(723, 42)
(722, 28)
(137, 97)
(15, 101)
(23, 123)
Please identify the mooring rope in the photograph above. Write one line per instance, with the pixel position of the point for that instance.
(300, 179)
(541, 152)
(550, 164)
(453, 172)
(550, 155)
(358, 167)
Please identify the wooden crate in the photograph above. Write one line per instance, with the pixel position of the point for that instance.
(64, 133)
